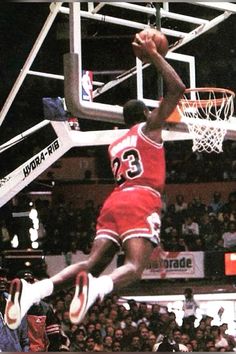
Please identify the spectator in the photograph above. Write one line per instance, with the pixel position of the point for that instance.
(172, 318)
(144, 336)
(146, 317)
(67, 300)
(209, 229)
(182, 246)
(190, 230)
(166, 346)
(193, 342)
(90, 328)
(110, 329)
(230, 206)
(188, 328)
(190, 227)
(185, 338)
(209, 343)
(197, 207)
(11, 340)
(216, 204)
(189, 347)
(199, 336)
(113, 315)
(162, 323)
(180, 206)
(59, 307)
(198, 245)
(202, 324)
(224, 219)
(230, 339)
(128, 325)
(135, 344)
(171, 241)
(154, 319)
(189, 307)
(116, 347)
(98, 341)
(142, 309)
(220, 341)
(102, 319)
(229, 237)
(208, 320)
(78, 341)
(177, 336)
(168, 224)
(152, 341)
(89, 344)
(65, 322)
(107, 343)
(119, 335)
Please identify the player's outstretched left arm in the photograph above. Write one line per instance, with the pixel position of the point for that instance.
(173, 83)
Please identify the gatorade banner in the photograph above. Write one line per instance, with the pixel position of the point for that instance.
(174, 265)
(87, 85)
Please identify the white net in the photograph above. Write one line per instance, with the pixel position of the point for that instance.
(208, 139)
(206, 112)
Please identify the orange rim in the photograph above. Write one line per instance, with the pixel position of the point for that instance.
(204, 102)
(175, 117)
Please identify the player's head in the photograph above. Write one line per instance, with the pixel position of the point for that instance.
(134, 111)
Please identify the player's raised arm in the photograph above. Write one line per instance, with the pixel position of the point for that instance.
(174, 87)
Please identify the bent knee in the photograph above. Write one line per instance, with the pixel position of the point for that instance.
(135, 270)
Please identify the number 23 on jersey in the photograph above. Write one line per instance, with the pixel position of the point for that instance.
(127, 166)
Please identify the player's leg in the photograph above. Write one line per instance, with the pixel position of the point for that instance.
(23, 295)
(102, 252)
(137, 254)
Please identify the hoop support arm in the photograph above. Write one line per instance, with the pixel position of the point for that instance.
(15, 181)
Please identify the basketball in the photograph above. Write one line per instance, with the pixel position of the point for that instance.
(158, 37)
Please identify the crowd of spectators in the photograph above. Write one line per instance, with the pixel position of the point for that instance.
(196, 226)
(186, 166)
(192, 226)
(116, 325)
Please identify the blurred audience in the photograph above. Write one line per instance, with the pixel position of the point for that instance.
(192, 226)
(142, 337)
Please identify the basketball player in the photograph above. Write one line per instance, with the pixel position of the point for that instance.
(129, 218)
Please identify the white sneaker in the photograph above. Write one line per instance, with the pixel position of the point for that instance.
(18, 302)
(85, 295)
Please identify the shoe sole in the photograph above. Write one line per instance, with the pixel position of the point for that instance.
(80, 299)
(12, 315)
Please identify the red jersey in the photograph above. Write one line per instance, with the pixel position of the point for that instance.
(136, 160)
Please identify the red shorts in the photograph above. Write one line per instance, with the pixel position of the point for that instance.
(128, 213)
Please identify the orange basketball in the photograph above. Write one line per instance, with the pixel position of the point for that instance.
(158, 37)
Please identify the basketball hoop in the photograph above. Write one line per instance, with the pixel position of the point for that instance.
(206, 111)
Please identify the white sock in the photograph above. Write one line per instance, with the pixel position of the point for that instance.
(43, 288)
(105, 284)
(33, 293)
